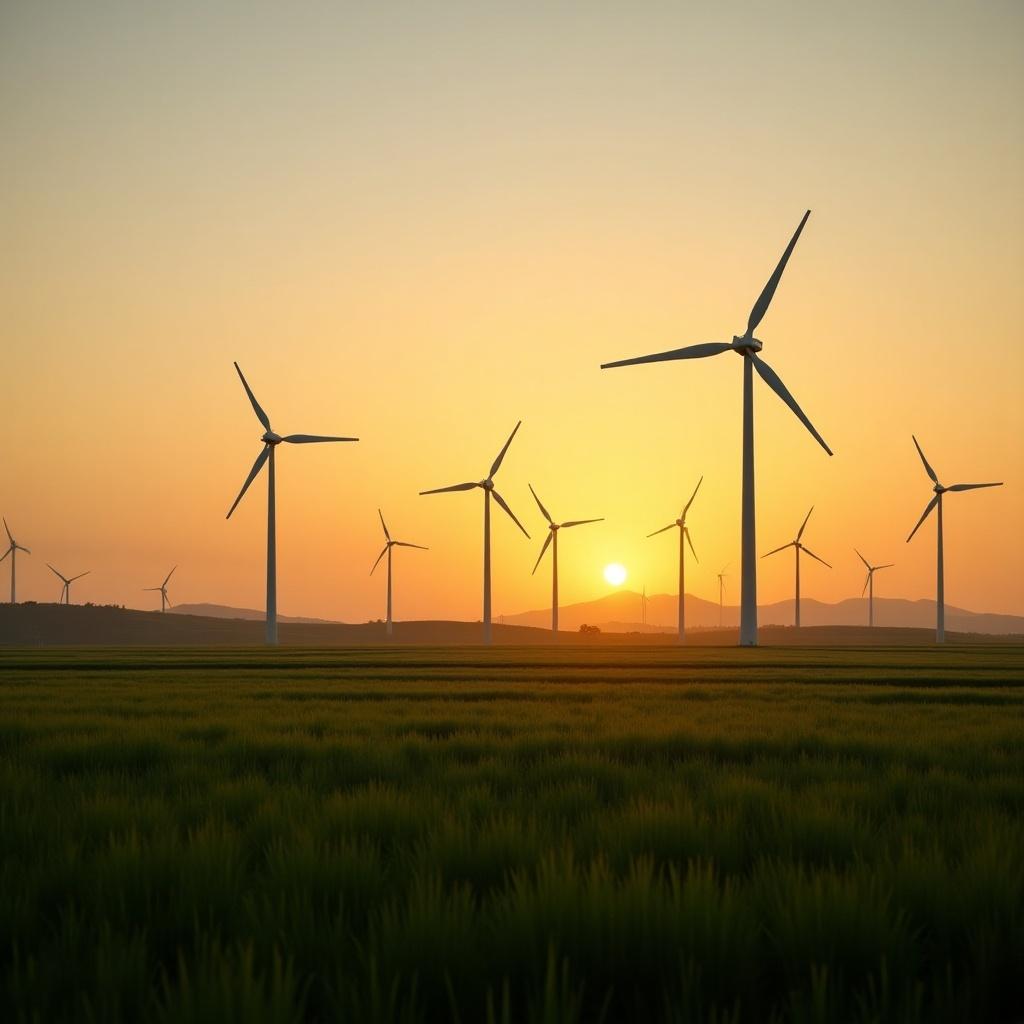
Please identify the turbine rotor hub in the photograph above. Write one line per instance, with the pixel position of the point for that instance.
(271, 438)
(488, 484)
(554, 527)
(939, 489)
(746, 344)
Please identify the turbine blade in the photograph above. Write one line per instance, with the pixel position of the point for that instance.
(710, 348)
(147, 589)
(808, 551)
(867, 580)
(501, 501)
(765, 298)
(888, 565)
(55, 573)
(544, 547)
(385, 525)
(8, 529)
(79, 576)
(662, 530)
(867, 565)
(771, 378)
(928, 469)
(21, 547)
(260, 414)
(169, 575)
(314, 438)
(543, 511)
(692, 496)
(256, 467)
(168, 600)
(690, 542)
(454, 487)
(800, 533)
(924, 516)
(496, 465)
(955, 487)
(775, 551)
(580, 522)
(5, 554)
(406, 544)
(380, 556)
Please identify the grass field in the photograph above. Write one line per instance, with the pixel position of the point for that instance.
(512, 835)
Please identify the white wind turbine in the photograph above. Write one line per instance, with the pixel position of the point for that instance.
(869, 584)
(487, 485)
(798, 547)
(721, 594)
(164, 601)
(13, 550)
(747, 346)
(389, 544)
(684, 539)
(270, 442)
(940, 594)
(65, 593)
(551, 540)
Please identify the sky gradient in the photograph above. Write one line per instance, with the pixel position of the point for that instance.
(418, 227)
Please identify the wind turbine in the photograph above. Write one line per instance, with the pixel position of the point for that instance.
(65, 594)
(270, 442)
(869, 584)
(13, 550)
(747, 346)
(487, 485)
(940, 595)
(552, 540)
(684, 535)
(164, 602)
(721, 594)
(799, 547)
(643, 606)
(387, 551)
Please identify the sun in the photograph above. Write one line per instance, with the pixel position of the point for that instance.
(615, 574)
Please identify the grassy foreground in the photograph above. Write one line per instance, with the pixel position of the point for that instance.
(512, 835)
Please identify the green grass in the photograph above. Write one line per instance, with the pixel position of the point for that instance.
(512, 835)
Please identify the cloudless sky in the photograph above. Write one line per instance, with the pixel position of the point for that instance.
(419, 223)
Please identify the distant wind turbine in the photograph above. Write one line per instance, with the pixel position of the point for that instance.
(13, 550)
(684, 539)
(487, 485)
(643, 606)
(65, 594)
(869, 584)
(389, 544)
(552, 540)
(164, 602)
(721, 594)
(270, 442)
(798, 548)
(940, 595)
(747, 346)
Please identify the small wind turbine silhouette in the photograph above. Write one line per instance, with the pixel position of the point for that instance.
(643, 606)
(940, 594)
(799, 547)
(684, 539)
(551, 540)
(487, 485)
(13, 550)
(164, 602)
(721, 594)
(869, 584)
(747, 346)
(389, 544)
(270, 442)
(65, 593)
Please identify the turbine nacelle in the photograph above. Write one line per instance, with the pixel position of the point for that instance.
(746, 344)
(487, 485)
(271, 438)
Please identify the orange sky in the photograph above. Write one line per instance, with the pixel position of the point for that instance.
(418, 228)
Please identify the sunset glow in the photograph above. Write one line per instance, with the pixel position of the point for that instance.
(615, 574)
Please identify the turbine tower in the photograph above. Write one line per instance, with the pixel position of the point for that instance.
(13, 550)
(940, 595)
(65, 593)
(869, 584)
(721, 594)
(389, 544)
(746, 346)
(487, 485)
(643, 606)
(798, 548)
(684, 536)
(270, 442)
(551, 540)
(164, 602)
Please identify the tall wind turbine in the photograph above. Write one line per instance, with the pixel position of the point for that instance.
(164, 602)
(643, 606)
(389, 544)
(13, 550)
(869, 584)
(487, 485)
(721, 594)
(551, 540)
(684, 539)
(798, 547)
(747, 346)
(65, 594)
(940, 593)
(270, 442)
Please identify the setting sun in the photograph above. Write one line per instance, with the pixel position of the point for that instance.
(615, 574)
